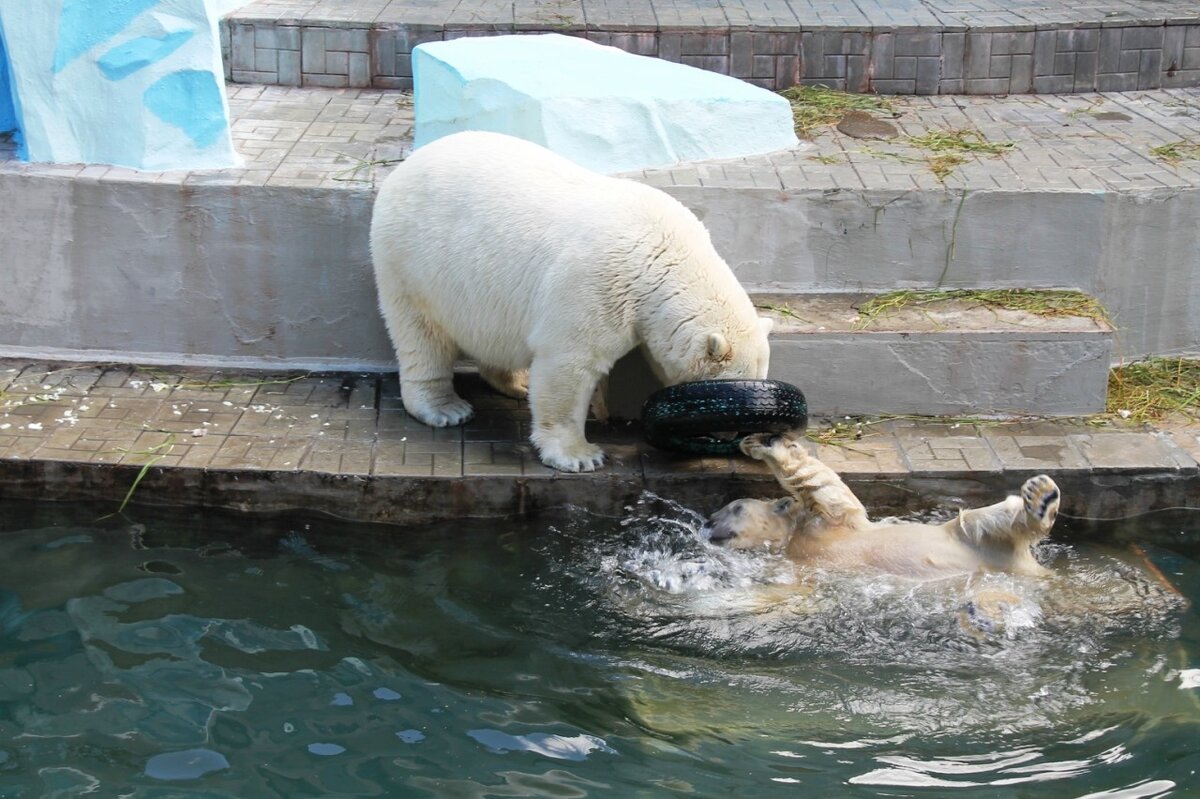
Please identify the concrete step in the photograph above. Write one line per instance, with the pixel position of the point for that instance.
(953, 357)
(268, 266)
(924, 47)
(1091, 194)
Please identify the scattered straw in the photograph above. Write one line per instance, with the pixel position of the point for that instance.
(1177, 151)
(814, 107)
(942, 166)
(841, 433)
(961, 140)
(154, 455)
(174, 381)
(782, 310)
(946, 150)
(1153, 389)
(1042, 302)
(353, 173)
(845, 431)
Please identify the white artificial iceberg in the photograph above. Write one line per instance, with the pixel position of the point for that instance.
(599, 106)
(136, 83)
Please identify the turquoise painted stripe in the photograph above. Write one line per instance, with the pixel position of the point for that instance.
(10, 102)
(84, 24)
(8, 112)
(126, 59)
(192, 101)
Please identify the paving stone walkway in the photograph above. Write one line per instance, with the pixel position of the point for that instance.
(72, 430)
(348, 139)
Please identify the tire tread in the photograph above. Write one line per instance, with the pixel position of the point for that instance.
(684, 417)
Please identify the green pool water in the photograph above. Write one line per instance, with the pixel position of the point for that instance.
(206, 655)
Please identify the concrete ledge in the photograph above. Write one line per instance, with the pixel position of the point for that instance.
(942, 359)
(157, 270)
(1135, 251)
(411, 501)
(340, 444)
(268, 265)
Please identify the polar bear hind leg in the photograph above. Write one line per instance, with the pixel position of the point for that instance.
(1027, 518)
(1040, 497)
(510, 383)
(426, 355)
(559, 393)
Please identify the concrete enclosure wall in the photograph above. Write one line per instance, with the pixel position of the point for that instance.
(164, 272)
(1139, 253)
(154, 272)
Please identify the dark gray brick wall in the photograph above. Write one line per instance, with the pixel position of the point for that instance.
(943, 58)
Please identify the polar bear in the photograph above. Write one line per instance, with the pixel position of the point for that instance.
(823, 524)
(546, 274)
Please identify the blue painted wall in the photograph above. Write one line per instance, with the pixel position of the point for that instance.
(8, 112)
(137, 83)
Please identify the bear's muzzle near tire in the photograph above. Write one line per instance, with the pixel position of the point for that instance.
(689, 416)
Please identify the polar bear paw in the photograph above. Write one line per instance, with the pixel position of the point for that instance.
(1040, 497)
(444, 413)
(582, 457)
(513, 384)
(772, 446)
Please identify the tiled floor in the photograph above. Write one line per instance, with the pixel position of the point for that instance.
(347, 139)
(353, 424)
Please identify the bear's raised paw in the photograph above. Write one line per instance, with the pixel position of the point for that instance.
(1040, 496)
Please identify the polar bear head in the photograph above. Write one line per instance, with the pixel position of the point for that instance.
(748, 357)
(756, 524)
(738, 352)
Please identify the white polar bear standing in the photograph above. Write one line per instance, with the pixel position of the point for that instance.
(490, 246)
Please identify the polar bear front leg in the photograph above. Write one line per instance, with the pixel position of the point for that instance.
(807, 479)
(559, 393)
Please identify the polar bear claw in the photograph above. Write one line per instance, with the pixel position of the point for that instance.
(1040, 497)
(581, 457)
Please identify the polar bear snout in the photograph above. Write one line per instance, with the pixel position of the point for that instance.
(753, 524)
(722, 526)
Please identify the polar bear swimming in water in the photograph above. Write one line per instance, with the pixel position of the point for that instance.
(546, 274)
(823, 524)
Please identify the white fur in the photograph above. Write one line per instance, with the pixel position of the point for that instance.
(496, 248)
(823, 523)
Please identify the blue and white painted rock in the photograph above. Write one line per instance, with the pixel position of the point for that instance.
(599, 106)
(136, 83)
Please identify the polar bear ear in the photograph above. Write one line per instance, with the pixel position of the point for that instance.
(766, 323)
(718, 347)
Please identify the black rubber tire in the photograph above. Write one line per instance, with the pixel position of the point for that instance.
(686, 417)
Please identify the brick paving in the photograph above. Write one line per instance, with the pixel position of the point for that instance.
(887, 46)
(194, 424)
(347, 139)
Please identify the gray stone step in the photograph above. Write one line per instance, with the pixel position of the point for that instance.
(267, 265)
(1087, 196)
(924, 47)
(948, 358)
